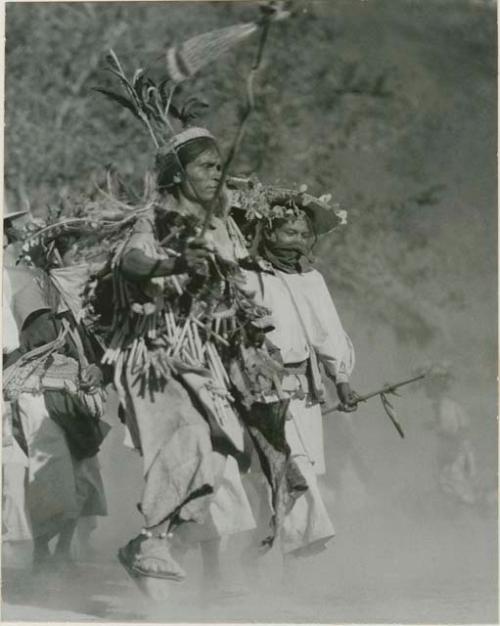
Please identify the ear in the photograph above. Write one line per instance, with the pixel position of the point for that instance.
(271, 236)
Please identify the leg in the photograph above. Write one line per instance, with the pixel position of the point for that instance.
(84, 529)
(41, 550)
(62, 552)
(210, 555)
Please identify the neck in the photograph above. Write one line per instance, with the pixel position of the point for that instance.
(185, 206)
(284, 260)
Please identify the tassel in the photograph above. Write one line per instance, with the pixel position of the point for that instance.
(187, 59)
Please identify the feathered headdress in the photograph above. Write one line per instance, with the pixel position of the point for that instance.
(153, 103)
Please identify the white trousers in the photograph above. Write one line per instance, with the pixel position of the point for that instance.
(307, 525)
(58, 487)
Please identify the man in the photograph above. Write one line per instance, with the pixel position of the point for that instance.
(308, 332)
(55, 398)
(178, 272)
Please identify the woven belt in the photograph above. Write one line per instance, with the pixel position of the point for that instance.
(297, 368)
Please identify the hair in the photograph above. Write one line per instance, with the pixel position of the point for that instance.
(278, 222)
(170, 165)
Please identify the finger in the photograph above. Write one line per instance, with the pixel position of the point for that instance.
(199, 244)
(348, 408)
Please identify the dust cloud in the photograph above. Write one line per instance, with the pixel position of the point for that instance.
(404, 551)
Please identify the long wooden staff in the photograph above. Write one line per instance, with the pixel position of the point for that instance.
(250, 107)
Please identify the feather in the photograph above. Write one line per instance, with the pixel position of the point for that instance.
(187, 59)
(124, 102)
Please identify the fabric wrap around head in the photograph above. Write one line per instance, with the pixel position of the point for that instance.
(181, 150)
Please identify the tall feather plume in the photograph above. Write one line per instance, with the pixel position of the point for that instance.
(186, 59)
(152, 103)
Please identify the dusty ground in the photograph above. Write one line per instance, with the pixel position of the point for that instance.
(394, 568)
(402, 552)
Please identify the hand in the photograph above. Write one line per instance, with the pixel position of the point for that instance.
(255, 335)
(348, 398)
(91, 377)
(197, 255)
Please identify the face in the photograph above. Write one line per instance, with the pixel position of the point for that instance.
(295, 234)
(13, 229)
(203, 176)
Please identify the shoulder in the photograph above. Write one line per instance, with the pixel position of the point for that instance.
(315, 278)
(142, 234)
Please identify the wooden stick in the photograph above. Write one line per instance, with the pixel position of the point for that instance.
(386, 389)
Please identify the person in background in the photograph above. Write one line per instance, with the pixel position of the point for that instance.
(54, 394)
(15, 522)
(456, 463)
(308, 333)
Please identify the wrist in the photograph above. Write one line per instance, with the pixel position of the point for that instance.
(341, 379)
(169, 266)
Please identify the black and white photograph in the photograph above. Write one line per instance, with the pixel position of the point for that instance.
(249, 312)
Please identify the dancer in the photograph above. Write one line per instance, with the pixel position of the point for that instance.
(308, 332)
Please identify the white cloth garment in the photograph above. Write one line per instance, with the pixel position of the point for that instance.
(320, 319)
(305, 319)
(15, 520)
(10, 335)
(229, 511)
(59, 488)
(15, 524)
(308, 524)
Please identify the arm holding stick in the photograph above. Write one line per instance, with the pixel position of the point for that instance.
(386, 389)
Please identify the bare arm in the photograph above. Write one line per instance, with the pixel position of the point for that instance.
(137, 265)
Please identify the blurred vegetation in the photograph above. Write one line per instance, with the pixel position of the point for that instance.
(390, 105)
